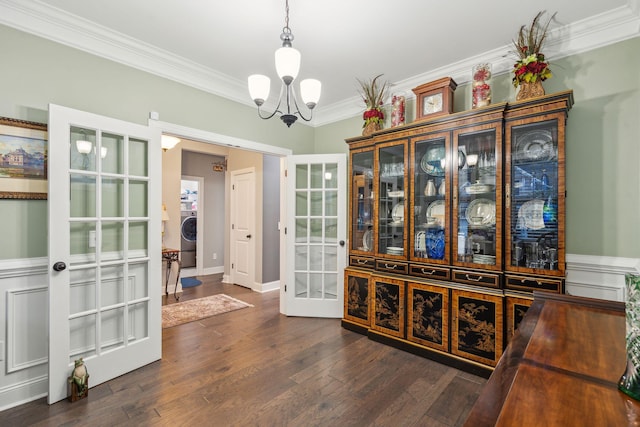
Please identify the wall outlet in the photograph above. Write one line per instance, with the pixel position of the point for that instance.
(215, 255)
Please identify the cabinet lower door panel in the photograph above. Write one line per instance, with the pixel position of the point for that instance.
(388, 302)
(356, 297)
(477, 327)
(428, 315)
(516, 309)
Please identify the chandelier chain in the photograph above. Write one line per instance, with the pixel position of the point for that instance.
(286, 28)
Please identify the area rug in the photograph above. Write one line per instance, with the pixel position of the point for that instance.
(189, 311)
(189, 282)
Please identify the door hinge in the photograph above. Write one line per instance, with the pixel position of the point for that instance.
(285, 230)
(285, 173)
(233, 186)
(233, 226)
(232, 266)
(285, 288)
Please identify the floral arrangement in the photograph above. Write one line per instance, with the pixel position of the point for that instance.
(531, 65)
(373, 93)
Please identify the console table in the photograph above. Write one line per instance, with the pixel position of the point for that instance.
(171, 256)
(561, 368)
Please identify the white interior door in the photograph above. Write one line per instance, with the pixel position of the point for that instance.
(316, 232)
(104, 246)
(243, 227)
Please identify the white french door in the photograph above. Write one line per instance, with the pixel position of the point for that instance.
(316, 232)
(104, 246)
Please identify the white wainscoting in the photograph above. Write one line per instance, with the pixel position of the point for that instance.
(599, 276)
(23, 342)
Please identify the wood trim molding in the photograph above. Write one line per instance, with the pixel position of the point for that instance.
(23, 267)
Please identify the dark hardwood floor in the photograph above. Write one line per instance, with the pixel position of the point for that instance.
(256, 367)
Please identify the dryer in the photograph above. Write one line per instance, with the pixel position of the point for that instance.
(188, 233)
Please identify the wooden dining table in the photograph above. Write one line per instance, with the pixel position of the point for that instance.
(561, 369)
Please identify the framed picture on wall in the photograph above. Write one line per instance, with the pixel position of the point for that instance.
(23, 159)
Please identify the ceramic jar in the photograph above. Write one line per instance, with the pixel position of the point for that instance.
(481, 86)
(397, 110)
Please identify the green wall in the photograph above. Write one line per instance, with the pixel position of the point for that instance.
(603, 145)
(603, 150)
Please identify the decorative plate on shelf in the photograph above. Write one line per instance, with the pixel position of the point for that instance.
(479, 188)
(535, 145)
(367, 240)
(481, 212)
(399, 193)
(431, 162)
(531, 214)
(397, 213)
(436, 209)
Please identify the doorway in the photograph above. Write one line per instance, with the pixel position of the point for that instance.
(190, 192)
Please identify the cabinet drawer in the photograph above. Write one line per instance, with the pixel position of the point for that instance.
(362, 261)
(524, 283)
(476, 278)
(428, 271)
(392, 266)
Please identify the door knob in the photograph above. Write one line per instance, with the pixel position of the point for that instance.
(341, 242)
(248, 236)
(59, 266)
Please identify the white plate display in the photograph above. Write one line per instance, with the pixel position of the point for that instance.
(530, 214)
(479, 188)
(396, 193)
(367, 240)
(481, 208)
(535, 145)
(431, 162)
(436, 210)
(394, 250)
(397, 213)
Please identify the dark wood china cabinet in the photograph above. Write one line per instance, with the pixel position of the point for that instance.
(454, 221)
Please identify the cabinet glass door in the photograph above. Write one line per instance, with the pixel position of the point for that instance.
(392, 208)
(477, 208)
(535, 193)
(430, 209)
(362, 201)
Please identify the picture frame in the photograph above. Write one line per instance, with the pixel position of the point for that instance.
(23, 159)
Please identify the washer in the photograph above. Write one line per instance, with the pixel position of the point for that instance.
(188, 233)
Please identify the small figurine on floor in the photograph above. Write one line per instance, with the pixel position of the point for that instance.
(79, 381)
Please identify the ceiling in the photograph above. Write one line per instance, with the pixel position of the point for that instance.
(215, 45)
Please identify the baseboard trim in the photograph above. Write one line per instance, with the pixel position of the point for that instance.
(268, 287)
(213, 270)
(23, 392)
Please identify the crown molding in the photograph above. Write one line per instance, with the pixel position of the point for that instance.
(54, 24)
(582, 36)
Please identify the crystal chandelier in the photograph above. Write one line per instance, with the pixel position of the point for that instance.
(287, 66)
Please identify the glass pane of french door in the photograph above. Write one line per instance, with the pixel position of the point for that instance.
(316, 238)
(108, 234)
